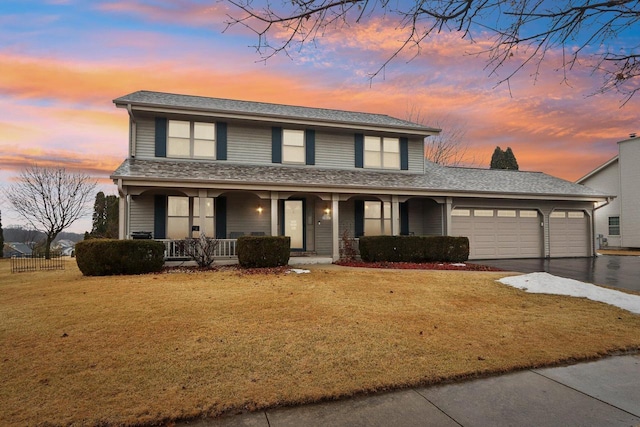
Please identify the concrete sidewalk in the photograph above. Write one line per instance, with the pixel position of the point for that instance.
(601, 393)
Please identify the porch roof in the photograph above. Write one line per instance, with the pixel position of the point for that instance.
(436, 180)
(144, 98)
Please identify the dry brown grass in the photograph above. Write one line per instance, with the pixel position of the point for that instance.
(142, 349)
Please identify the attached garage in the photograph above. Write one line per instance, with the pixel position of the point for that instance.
(500, 233)
(569, 234)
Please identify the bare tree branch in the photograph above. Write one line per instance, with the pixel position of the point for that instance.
(584, 32)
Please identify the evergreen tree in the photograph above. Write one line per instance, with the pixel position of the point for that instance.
(510, 160)
(504, 159)
(105, 216)
(497, 159)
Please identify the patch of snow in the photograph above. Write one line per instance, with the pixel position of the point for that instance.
(545, 283)
(459, 264)
(299, 271)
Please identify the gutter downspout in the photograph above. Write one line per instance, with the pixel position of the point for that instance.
(593, 223)
(132, 132)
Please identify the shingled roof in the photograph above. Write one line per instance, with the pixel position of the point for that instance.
(436, 179)
(262, 109)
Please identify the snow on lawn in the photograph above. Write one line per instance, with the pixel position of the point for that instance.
(545, 283)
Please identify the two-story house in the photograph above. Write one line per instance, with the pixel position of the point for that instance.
(229, 168)
(617, 223)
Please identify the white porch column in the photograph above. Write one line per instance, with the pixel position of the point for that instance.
(202, 210)
(123, 211)
(274, 213)
(447, 216)
(395, 216)
(335, 226)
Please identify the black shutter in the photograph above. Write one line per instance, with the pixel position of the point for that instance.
(221, 141)
(359, 218)
(221, 217)
(161, 137)
(404, 154)
(159, 217)
(404, 219)
(310, 146)
(359, 148)
(276, 145)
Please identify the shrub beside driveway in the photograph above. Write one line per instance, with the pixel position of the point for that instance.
(143, 349)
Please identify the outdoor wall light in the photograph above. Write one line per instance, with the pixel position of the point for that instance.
(260, 210)
(327, 214)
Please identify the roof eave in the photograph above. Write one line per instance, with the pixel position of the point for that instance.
(276, 118)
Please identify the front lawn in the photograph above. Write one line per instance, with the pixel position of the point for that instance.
(144, 349)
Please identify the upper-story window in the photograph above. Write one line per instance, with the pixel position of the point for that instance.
(381, 153)
(191, 139)
(293, 150)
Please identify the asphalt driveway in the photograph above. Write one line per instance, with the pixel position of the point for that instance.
(611, 270)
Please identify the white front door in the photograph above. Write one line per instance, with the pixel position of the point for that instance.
(294, 223)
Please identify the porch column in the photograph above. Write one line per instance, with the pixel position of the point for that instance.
(123, 214)
(274, 213)
(123, 211)
(447, 217)
(202, 210)
(395, 216)
(335, 227)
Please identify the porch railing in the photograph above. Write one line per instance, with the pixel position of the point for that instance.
(175, 249)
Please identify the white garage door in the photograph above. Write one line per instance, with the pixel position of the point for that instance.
(569, 234)
(499, 233)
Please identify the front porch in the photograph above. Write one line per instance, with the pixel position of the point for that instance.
(226, 253)
(317, 223)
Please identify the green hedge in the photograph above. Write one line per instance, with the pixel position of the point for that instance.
(105, 257)
(263, 251)
(414, 248)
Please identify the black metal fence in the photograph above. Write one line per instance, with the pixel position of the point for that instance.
(36, 262)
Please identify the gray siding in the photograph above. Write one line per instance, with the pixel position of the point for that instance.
(145, 137)
(629, 194)
(141, 213)
(243, 216)
(323, 233)
(251, 144)
(248, 144)
(607, 181)
(416, 155)
(425, 217)
(335, 150)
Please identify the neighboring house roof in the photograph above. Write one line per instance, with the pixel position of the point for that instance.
(21, 248)
(436, 180)
(597, 170)
(267, 110)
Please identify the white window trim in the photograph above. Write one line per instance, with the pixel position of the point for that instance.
(381, 152)
(285, 145)
(192, 140)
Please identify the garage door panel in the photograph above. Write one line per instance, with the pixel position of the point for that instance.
(569, 234)
(502, 235)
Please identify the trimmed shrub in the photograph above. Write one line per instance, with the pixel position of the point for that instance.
(105, 257)
(263, 251)
(414, 248)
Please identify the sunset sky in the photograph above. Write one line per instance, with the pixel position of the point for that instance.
(62, 62)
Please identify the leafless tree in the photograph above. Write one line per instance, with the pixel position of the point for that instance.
(523, 31)
(50, 199)
(449, 147)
